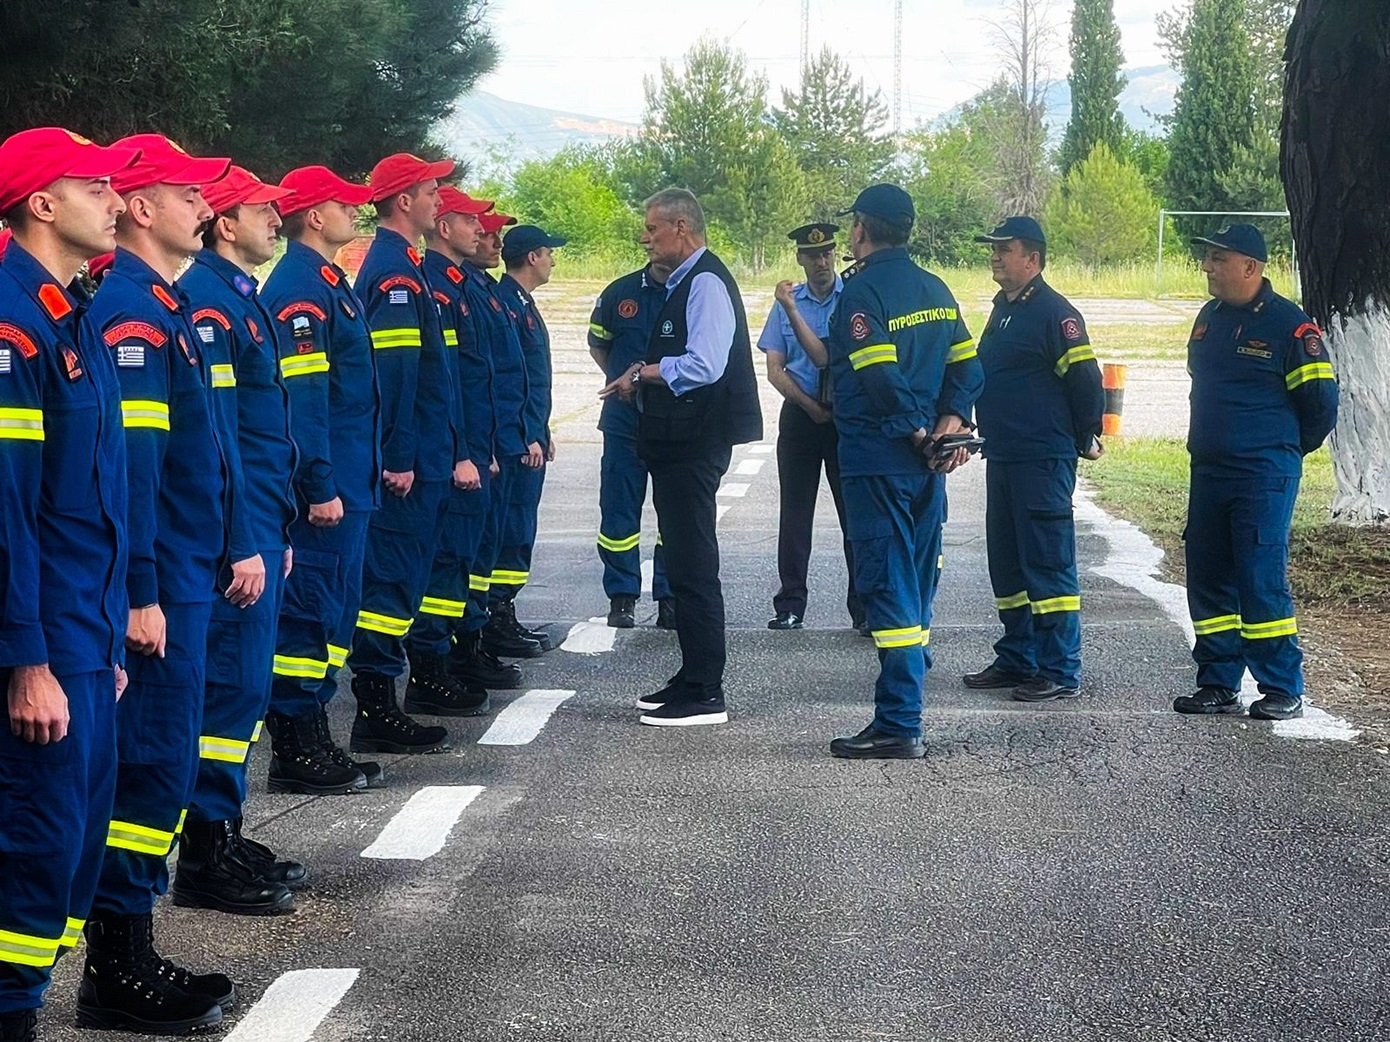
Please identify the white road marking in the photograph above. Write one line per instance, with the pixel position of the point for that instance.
(750, 467)
(760, 450)
(1133, 560)
(521, 721)
(590, 638)
(648, 566)
(419, 829)
(720, 511)
(734, 489)
(294, 1006)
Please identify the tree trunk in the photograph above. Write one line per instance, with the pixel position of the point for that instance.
(1335, 164)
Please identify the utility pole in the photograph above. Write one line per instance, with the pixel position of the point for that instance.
(898, 70)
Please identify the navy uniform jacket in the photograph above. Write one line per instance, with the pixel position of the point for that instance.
(62, 480)
(1263, 392)
(421, 429)
(535, 348)
(622, 323)
(179, 485)
(900, 357)
(495, 329)
(476, 396)
(1042, 397)
(250, 405)
(329, 370)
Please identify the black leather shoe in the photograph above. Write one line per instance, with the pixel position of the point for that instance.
(288, 873)
(622, 613)
(431, 691)
(873, 744)
(666, 613)
(994, 675)
(1040, 689)
(1208, 701)
(1277, 706)
(785, 620)
(213, 873)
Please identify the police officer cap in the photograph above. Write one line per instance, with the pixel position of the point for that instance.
(1019, 227)
(814, 236)
(886, 202)
(525, 238)
(1244, 239)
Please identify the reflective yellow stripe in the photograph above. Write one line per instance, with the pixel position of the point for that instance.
(337, 656)
(619, 546)
(387, 624)
(658, 539)
(1311, 371)
(183, 816)
(256, 734)
(304, 365)
(479, 582)
(440, 606)
(962, 352)
(290, 666)
(1265, 630)
(1018, 600)
(140, 413)
(873, 355)
(25, 949)
(501, 577)
(1216, 624)
(224, 750)
(21, 424)
(926, 637)
(900, 638)
(599, 331)
(126, 835)
(451, 338)
(385, 338)
(73, 933)
(1053, 604)
(222, 375)
(940, 561)
(1081, 353)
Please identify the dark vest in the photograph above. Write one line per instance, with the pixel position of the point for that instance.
(726, 412)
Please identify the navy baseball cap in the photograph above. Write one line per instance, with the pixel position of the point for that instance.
(524, 238)
(1244, 239)
(886, 202)
(1020, 227)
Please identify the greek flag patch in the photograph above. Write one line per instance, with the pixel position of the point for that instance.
(5, 362)
(131, 356)
(206, 334)
(399, 296)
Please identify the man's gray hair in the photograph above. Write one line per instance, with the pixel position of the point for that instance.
(675, 203)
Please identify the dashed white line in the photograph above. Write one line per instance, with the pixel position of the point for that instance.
(419, 829)
(521, 721)
(590, 638)
(750, 467)
(294, 1006)
(647, 568)
(760, 450)
(720, 511)
(734, 489)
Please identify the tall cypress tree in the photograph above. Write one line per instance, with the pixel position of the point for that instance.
(1096, 83)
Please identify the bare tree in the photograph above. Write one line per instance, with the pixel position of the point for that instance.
(1025, 33)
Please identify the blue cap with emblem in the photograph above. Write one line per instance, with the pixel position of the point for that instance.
(524, 238)
(886, 202)
(1018, 227)
(1244, 239)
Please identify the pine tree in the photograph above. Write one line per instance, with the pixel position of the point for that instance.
(1096, 83)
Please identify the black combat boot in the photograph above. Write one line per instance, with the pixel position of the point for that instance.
(474, 665)
(507, 609)
(213, 874)
(20, 1026)
(666, 613)
(126, 986)
(289, 874)
(380, 726)
(432, 691)
(502, 635)
(298, 764)
(371, 770)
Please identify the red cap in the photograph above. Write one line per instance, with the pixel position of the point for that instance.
(32, 160)
(164, 163)
(312, 186)
(494, 222)
(238, 187)
(451, 200)
(401, 171)
(5, 236)
(96, 267)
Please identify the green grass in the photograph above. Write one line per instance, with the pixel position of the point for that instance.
(1145, 481)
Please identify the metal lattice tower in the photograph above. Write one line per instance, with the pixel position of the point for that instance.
(805, 35)
(897, 68)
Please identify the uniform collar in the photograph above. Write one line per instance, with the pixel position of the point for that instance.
(480, 275)
(244, 284)
(675, 278)
(512, 285)
(397, 241)
(1029, 292)
(888, 253)
(135, 269)
(1259, 303)
(649, 280)
(313, 260)
(803, 292)
(54, 300)
(451, 271)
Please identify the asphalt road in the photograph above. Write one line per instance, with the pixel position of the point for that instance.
(1101, 869)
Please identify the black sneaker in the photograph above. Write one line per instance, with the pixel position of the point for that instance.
(1277, 705)
(690, 709)
(1208, 701)
(1040, 689)
(622, 612)
(674, 688)
(666, 613)
(785, 620)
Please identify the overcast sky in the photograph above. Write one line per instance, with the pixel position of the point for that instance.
(589, 57)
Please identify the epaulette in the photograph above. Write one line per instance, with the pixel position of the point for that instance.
(853, 270)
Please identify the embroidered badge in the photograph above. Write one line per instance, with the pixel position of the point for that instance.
(14, 335)
(5, 360)
(398, 296)
(202, 314)
(1198, 332)
(300, 328)
(254, 330)
(131, 356)
(859, 326)
(628, 309)
(71, 364)
(308, 307)
(138, 330)
(668, 328)
(187, 351)
(206, 334)
(1071, 329)
(329, 275)
(1311, 336)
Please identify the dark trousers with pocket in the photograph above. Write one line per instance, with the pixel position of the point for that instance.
(622, 490)
(445, 604)
(489, 544)
(512, 569)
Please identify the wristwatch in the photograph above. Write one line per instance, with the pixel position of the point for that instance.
(637, 373)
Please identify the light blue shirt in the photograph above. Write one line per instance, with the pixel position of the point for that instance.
(710, 324)
(778, 334)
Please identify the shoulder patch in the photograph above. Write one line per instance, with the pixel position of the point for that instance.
(443, 298)
(12, 334)
(130, 356)
(399, 280)
(54, 301)
(164, 297)
(1311, 336)
(330, 276)
(1071, 330)
(5, 362)
(455, 276)
(859, 326)
(135, 331)
(212, 313)
(413, 254)
(853, 270)
(1199, 331)
(626, 308)
(307, 307)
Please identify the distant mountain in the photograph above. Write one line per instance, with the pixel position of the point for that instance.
(483, 123)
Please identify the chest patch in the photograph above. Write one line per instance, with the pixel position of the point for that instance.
(254, 330)
(72, 364)
(859, 326)
(347, 309)
(1252, 351)
(130, 356)
(627, 309)
(187, 351)
(668, 328)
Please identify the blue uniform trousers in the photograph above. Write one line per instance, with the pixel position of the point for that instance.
(318, 613)
(444, 605)
(1031, 537)
(513, 567)
(55, 805)
(894, 527)
(157, 727)
(622, 488)
(241, 645)
(1237, 540)
(484, 561)
(401, 541)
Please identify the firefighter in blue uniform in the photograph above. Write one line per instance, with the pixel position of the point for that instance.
(1039, 411)
(904, 372)
(218, 868)
(421, 442)
(452, 238)
(527, 254)
(180, 491)
(619, 330)
(329, 369)
(63, 606)
(1263, 396)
